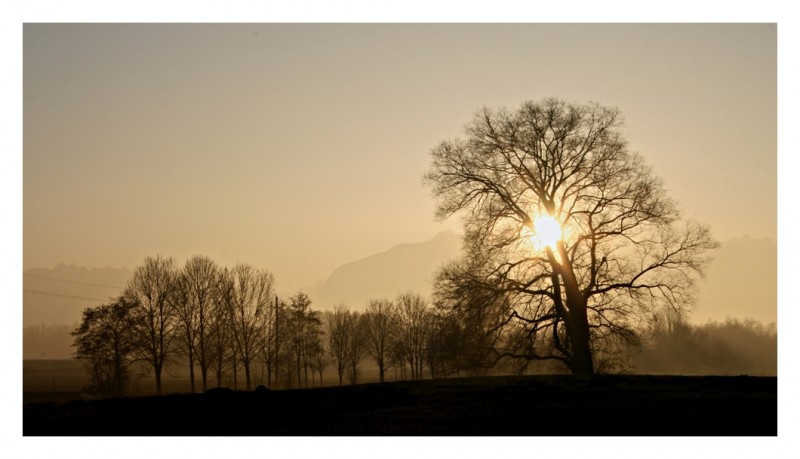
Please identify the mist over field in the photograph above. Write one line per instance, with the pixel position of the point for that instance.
(730, 292)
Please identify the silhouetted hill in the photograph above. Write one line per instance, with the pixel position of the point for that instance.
(399, 269)
(741, 282)
(59, 295)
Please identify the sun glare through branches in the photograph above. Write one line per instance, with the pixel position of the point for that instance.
(546, 232)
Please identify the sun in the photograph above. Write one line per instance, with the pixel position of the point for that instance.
(546, 232)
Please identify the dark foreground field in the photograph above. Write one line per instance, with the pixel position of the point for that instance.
(531, 406)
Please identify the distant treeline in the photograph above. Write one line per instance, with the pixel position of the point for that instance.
(47, 342)
(732, 347)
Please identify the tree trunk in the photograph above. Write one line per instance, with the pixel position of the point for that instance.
(299, 383)
(576, 320)
(247, 374)
(191, 374)
(277, 341)
(203, 360)
(118, 386)
(235, 371)
(158, 379)
(269, 371)
(582, 363)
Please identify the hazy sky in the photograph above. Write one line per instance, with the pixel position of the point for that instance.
(298, 148)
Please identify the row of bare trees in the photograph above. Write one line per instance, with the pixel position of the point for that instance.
(229, 321)
(221, 320)
(408, 335)
(214, 317)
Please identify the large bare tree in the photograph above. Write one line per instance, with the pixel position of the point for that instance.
(564, 225)
(152, 289)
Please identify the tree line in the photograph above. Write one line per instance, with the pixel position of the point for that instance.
(731, 347)
(229, 322)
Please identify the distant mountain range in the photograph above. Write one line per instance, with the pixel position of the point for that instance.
(402, 268)
(741, 282)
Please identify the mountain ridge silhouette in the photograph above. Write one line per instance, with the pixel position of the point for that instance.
(403, 267)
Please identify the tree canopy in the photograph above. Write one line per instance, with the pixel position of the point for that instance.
(105, 343)
(621, 249)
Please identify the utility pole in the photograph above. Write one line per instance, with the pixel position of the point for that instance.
(277, 339)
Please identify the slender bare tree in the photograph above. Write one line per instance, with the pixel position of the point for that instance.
(271, 341)
(378, 332)
(186, 325)
(412, 321)
(247, 293)
(301, 323)
(317, 351)
(356, 344)
(152, 289)
(221, 346)
(196, 288)
(338, 337)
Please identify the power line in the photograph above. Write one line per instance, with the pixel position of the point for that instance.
(71, 282)
(38, 292)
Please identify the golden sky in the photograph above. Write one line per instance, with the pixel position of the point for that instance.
(298, 148)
